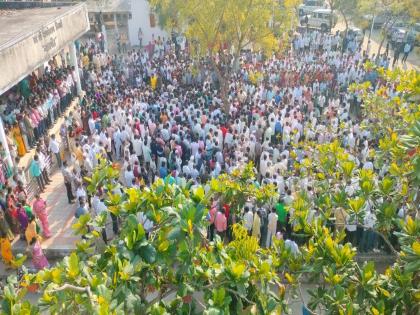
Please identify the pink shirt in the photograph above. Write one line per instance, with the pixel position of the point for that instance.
(152, 127)
(34, 121)
(212, 213)
(39, 206)
(220, 222)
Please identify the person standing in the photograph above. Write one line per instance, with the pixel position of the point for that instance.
(23, 219)
(99, 207)
(351, 230)
(54, 147)
(212, 217)
(43, 165)
(4, 225)
(31, 230)
(220, 223)
(140, 37)
(272, 227)
(369, 235)
(281, 214)
(68, 177)
(256, 225)
(35, 171)
(82, 209)
(397, 52)
(6, 249)
(17, 135)
(407, 49)
(39, 260)
(248, 220)
(40, 209)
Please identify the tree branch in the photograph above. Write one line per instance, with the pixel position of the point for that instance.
(161, 296)
(303, 301)
(76, 289)
(391, 247)
(239, 295)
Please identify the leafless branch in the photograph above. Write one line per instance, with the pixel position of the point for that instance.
(76, 289)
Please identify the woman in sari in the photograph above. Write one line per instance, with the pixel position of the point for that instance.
(39, 260)
(23, 219)
(4, 226)
(31, 232)
(5, 249)
(40, 209)
(17, 136)
(11, 212)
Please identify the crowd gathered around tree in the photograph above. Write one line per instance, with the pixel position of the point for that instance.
(157, 114)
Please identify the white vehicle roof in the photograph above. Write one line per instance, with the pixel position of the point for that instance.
(326, 11)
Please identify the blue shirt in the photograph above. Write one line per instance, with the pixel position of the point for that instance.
(80, 211)
(163, 172)
(35, 169)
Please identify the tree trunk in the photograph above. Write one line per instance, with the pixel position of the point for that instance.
(236, 61)
(224, 86)
(371, 28)
(224, 89)
(346, 30)
(383, 39)
(380, 46)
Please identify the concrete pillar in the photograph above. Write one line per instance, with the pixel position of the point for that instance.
(75, 64)
(3, 140)
(103, 30)
(116, 24)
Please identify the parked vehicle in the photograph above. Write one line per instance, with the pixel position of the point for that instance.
(398, 37)
(402, 32)
(309, 6)
(355, 32)
(322, 19)
(395, 27)
(378, 22)
(415, 33)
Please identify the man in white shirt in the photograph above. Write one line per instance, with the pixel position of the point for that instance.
(369, 236)
(294, 248)
(272, 227)
(145, 222)
(54, 147)
(129, 176)
(99, 207)
(248, 219)
(351, 228)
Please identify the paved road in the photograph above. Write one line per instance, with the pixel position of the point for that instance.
(413, 61)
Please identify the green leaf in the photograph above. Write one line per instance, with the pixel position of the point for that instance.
(219, 296)
(163, 247)
(238, 269)
(73, 269)
(148, 253)
(386, 185)
(356, 204)
(199, 192)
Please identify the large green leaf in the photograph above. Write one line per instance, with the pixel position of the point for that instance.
(73, 265)
(148, 253)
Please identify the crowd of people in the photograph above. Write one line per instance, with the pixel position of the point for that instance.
(156, 113)
(28, 112)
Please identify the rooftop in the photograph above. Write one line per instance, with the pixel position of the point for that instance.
(17, 21)
(32, 33)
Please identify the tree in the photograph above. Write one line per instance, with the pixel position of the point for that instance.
(391, 10)
(347, 9)
(219, 30)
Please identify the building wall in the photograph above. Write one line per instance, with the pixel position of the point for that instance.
(140, 18)
(21, 58)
